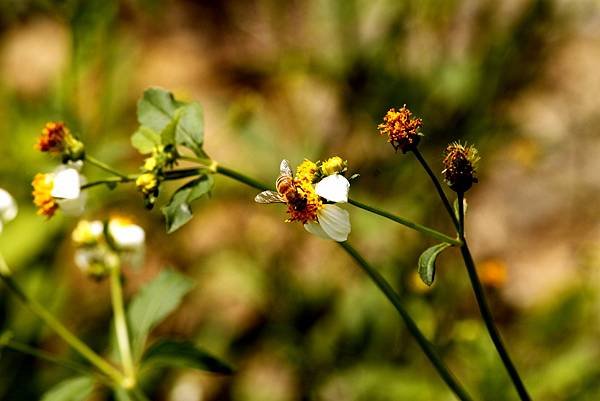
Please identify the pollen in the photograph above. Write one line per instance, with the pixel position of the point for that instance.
(53, 137)
(304, 203)
(401, 129)
(333, 165)
(306, 172)
(42, 198)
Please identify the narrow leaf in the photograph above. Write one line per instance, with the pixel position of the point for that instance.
(184, 354)
(455, 204)
(156, 108)
(153, 303)
(179, 211)
(427, 262)
(73, 389)
(145, 139)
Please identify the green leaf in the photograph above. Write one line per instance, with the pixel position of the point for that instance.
(190, 129)
(73, 389)
(156, 108)
(167, 135)
(184, 354)
(427, 262)
(145, 139)
(121, 395)
(455, 204)
(153, 303)
(179, 211)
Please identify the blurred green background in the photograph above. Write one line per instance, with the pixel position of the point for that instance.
(313, 78)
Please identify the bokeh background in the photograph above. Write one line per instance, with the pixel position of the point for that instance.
(313, 78)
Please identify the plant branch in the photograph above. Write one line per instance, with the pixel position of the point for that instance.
(437, 185)
(104, 166)
(121, 329)
(58, 328)
(412, 327)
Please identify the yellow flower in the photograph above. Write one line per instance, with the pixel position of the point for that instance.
(401, 129)
(62, 188)
(147, 183)
(333, 165)
(42, 187)
(88, 233)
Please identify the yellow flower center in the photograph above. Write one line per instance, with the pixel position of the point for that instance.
(304, 203)
(42, 198)
(333, 165)
(146, 183)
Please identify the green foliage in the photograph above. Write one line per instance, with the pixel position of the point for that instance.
(179, 211)
(154, 303)
(183, 354)
(426, 266)
(73, 389)
(170, 121)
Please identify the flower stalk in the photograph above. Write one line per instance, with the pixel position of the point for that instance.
(121, 329)
(101, 364)
(103, 166)
(412, 327)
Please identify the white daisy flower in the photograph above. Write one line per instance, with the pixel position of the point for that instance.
(62, 188)
(125, 235)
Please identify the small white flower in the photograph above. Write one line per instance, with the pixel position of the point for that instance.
(88, 232)
(8, 208)
(125, 235)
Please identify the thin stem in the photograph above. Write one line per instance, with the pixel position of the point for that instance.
(437, 185)
(66, 363)
(417, 227)
(108, 181)
(412, 327)
(485, 310)
(461, 214)
(241, 178)
(138, 395)
(195, 159)
(58, 328)
(103, 166)
(116, 291)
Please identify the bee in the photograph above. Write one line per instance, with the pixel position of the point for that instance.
(286, 190)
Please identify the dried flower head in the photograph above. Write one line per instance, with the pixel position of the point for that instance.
(401, 129)
(460, 166)
(57, 139)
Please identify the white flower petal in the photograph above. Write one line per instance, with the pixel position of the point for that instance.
(73, 207)
(8, 207)
(66, 184)
(335, 221)
(314, 228)
(125, 235)
(334, 188)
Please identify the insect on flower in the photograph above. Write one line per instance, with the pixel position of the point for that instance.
(307, 202)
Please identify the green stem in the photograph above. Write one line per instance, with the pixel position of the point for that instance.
(412, 327)
(103, 166)
(122, 332)
(108, 181)
(417, 227)
(137, 394)
(242, 178)
(485, 310)
(58, 328)
(74, 366)
(437, 185)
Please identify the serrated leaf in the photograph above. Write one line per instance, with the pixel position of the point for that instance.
(183, 354)
(73, 389)
(145, 139)
(179, 211)
(153, 303)
(427, 260)
(190, 129)
(156, 108)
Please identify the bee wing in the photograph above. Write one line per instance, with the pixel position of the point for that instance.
(285, 169)
(269, 197)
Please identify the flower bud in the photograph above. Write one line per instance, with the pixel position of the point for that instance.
(460, 162)
(96, 262)
(401, 129)
(333, 165)
(146, 183)
(88, 233)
